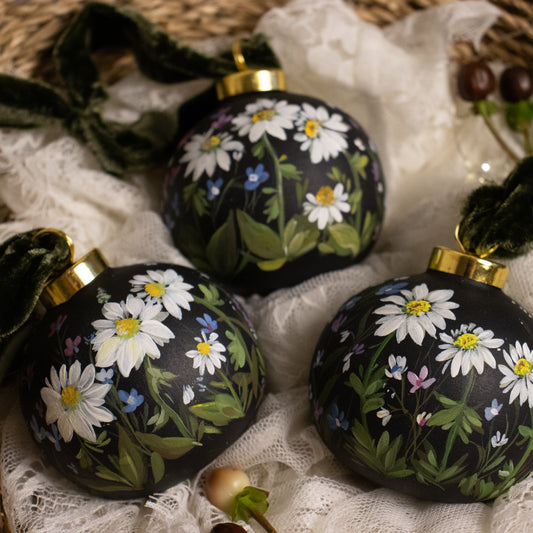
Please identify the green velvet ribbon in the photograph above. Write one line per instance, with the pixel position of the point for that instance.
(77, 105)
(27, 262)
(498, 219)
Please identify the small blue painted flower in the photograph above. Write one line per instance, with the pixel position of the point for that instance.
(391, 288)
(213, 188)
(420, 381)
(422, 418)
(188, 394)
(208, 323)
(131, 399)
(105, 376)
(498, 440)
(256, 176)
(54, 437)
(39, 433)
(336, 419)
(397, 365)
(350, 303)
(384, 415)
(493, 410)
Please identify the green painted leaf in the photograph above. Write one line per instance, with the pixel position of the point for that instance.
(273, 264)
(356, 384)
(236, 349)
(220, 412)
(211, 294)
(158, 466)
(130, 460)
(221, 250)
(167, 447)
(260, 239)
(372, 404)
(526, 431)
(258, 149)
(289, 171)
(346, 237)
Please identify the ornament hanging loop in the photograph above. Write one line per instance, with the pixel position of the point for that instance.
(482, 254)
(236, 50)
(59, 233)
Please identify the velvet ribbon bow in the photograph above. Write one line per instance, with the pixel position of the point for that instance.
(120, 147)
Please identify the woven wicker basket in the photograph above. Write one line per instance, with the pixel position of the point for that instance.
(29, 28)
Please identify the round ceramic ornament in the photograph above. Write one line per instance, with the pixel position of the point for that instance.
(424, 384)
(138, 376)
(273, 187)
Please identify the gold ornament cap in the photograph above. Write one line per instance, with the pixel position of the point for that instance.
(75, 277)
(249, 80)
(469, 266)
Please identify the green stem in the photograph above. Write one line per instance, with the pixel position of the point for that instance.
(496, 135)
(453, 433)
(526, 453)
(175, 417)
(279, 185)
(262, 520)
(358, 213)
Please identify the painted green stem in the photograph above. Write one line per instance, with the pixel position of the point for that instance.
(279, 185)
(453, 433)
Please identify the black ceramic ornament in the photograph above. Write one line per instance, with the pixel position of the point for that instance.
(424, 384)
(138, 376)
(273, 188)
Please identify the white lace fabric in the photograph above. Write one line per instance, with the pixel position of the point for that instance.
(398, 83)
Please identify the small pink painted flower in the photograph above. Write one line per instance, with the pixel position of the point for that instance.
(337, 323)
(420, 381)
(72, 346)
(317, 410)
(422, 418)
(55, 326)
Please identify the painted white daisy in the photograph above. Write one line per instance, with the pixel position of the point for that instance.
(266, 116)
(415, 313)
(205, 152)
(208, 353)
(130, 331)
(319, 133)
(517, 374)
(327, 205)
(166, 287)
(75, 401)
(467, 347)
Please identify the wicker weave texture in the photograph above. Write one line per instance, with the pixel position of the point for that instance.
(29, 28)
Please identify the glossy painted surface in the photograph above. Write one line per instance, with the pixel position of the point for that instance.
(425, 385)
(141, 379)
(272, 189)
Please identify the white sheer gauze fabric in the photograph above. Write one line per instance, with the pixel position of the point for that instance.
(396, 82)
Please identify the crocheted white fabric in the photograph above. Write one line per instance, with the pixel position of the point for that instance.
(398, 83)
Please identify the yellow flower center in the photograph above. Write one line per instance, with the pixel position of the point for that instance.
(522, 368)
(210, 143)
(70, 398)
(203, 348)
(325, 195)
(264, 114)
(156, 290)
(466, 341)
(417, 307)
(312, 127)
(127, 327)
